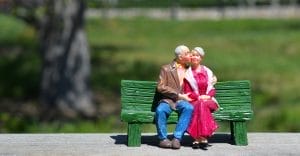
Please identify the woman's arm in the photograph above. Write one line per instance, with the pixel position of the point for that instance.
(187, 89)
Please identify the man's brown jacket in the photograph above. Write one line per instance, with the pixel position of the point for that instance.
(168, 84)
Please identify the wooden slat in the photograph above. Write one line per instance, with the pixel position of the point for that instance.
(222, 103)
(220, 85)
(140, 108)
(138, 84)
(148, 117)
(144, 117)
(227, 85)
(145, 107)
(246, 108)
(232, 92)
(137, 99)
(138, 90)
(219, 93)
(241, 84)
(228, 102)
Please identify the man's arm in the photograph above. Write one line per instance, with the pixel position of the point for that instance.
(163, 88)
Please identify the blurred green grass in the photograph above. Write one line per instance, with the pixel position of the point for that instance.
(266, 52)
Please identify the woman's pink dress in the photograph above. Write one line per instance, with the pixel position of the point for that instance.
(202, 123)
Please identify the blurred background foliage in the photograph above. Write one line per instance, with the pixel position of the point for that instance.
(264, 51)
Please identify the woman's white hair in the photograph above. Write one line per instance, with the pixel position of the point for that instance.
(179, 49)
(200, 51)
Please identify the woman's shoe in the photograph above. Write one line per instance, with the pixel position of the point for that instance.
(195, 145)
(203, 146)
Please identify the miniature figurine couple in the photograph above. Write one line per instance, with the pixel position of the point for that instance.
(187, 87)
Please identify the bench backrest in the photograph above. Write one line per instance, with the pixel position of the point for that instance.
(234, 98)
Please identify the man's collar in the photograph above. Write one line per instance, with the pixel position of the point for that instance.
(180, 66)
(175, 64)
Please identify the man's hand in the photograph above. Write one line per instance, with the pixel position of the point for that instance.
(184, 97)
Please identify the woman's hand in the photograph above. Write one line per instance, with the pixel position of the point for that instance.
(204, 97)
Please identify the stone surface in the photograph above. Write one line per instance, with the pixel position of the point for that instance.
(114, 144)
(266, 12)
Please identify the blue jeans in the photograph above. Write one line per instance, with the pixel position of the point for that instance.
(185, 110)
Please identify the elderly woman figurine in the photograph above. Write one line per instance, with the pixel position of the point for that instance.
(199, 84)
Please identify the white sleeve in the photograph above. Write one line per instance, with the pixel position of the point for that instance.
(211, 79)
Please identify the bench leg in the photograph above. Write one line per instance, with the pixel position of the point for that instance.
(134, 135)
(239, 132)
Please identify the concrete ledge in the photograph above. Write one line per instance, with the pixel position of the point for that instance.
(115, 144)
(266, 12)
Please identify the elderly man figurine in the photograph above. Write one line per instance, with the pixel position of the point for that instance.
(170, 86)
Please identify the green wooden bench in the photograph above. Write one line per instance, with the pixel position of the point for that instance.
(139, 100)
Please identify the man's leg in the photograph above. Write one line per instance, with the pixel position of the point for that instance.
(161, 115)
(185, 110)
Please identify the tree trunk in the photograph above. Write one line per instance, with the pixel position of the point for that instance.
(66, 61)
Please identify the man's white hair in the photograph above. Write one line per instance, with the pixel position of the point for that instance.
(179, 49)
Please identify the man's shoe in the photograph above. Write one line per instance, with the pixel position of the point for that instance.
(175, 143)
(166, 143)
